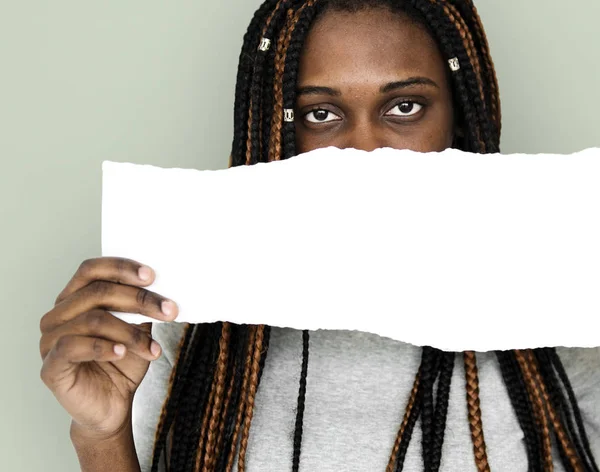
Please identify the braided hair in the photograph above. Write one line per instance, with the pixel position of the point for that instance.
(206, 417)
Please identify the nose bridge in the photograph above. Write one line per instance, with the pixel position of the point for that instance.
(365, 135)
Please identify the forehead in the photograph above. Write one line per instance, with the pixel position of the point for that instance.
(370, 44)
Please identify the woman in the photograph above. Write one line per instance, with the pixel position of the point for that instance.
(348, 73)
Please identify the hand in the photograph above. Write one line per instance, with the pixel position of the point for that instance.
(93, 361)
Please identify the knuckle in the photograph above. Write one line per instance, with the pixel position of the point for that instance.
(143, 297)
(98, 347)
(43, 348)
(95, 320)
(138, 337)
(100, 288)
(43, 323)
(86, 267)
(63, 345)
(59, 298)
(122, 267)
(44, 374)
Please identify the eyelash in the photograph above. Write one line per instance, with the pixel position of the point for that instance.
(413, 102)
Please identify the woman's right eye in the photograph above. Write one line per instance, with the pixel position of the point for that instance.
(320, 115)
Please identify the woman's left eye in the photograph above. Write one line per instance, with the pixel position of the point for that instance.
(405, 109)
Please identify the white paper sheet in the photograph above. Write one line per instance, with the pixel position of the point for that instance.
(453, 250)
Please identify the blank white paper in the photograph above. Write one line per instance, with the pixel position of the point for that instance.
(453, 250)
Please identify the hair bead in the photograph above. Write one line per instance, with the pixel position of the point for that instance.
(265, 44)
(288, 115)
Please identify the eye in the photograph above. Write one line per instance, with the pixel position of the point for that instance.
(407, 108)
(320, 115)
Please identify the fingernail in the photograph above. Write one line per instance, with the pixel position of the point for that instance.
(168, 307)
(154, 348)
(119, 349)
(144, 273)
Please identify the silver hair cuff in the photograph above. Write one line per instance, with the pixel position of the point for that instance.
(454, 64)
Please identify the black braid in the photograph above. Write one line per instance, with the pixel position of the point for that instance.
(256, 89)
(246, 63)
(562, 374)
(440, 25)
(471, 86)
(193, 404)
(441, 408)
(300, 407)
(181, 372)
(290, 77)
(468, 11)
(267, 101)
(183, 420)
(430, 364)
(517, 392)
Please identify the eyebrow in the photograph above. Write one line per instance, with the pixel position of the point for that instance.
(408, 83)
(315, 90)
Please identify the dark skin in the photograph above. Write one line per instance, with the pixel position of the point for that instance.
(386, 87)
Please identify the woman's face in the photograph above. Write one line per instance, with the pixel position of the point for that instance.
(372, 79)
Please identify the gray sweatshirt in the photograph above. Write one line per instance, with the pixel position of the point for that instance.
(358, 385)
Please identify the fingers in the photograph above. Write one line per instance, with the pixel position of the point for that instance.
(113, 297)
(113, 269)
(70, 350)
(101, 324)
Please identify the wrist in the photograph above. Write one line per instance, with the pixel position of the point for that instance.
(82, 436)
(105, 452)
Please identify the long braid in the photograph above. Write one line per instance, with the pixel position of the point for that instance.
(414, 414)
(409, 407)
(538, 409)
(559, 402)
(219, 394)
(199, 358)
(447, 37)
(254, 119)
(301, 400)
(472, 76)
(557, 364)
(228, 399)
(521, 403)
(567, 447)
(201, 450)
(243, 393)
(241, 336)
(470, 11)
(430, 358)
(441, 408)
(194, 404)
(473, 403)
(453, 13)
(174, 390)
(252, 388)
(304, 19)
(274, 153)
(243, 82)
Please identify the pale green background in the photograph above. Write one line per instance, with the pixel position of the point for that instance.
(152, 82)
